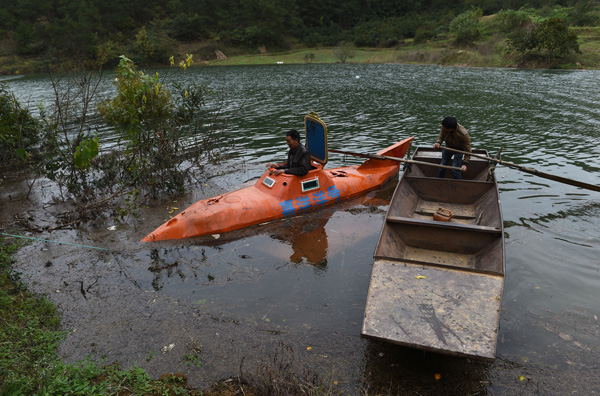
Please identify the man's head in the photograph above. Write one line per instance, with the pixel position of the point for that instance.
(292, 138)
(449, 124)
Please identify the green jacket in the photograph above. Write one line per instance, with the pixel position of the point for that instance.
(459, 139)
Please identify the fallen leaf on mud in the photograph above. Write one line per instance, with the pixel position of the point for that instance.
(522, 378)
(421, 277)
(167, 348)
(216, 236)
(173, 209)
(112, 228)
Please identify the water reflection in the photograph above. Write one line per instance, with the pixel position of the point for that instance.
(308, 241)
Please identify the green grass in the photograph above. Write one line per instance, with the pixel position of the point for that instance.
(490, 50)
(321, 55)
(589, 44)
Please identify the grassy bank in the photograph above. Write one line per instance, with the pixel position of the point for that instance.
(491, 52)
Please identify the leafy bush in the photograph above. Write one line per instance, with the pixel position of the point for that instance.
(142, 111)
(328, 35)
(523, 40)
(385, 32)
(140, 98)
(441, 31)
(255, 35)
(367, 34)
(187, 28)
(466, 26)
(343, 51)
(160, 130)
(585, 13)
(19, 130)
(423, 34)
(109, 51)
(510, 20)
(28, 39)
(309, 57)
(552, 36)
(164, 135)
(70, 142)
(556, 38)
(151, 45)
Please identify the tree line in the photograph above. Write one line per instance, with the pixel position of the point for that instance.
(102, 30)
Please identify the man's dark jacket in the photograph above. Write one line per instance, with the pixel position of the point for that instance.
(298, 162)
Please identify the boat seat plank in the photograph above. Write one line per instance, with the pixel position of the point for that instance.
(415, 254)
(449, 224)
(433, 308)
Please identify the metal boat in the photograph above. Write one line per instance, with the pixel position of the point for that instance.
(438, 271)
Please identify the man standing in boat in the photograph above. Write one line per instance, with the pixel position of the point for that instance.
(456, 137)
(298, 162)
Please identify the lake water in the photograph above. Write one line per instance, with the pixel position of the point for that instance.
(269, 286)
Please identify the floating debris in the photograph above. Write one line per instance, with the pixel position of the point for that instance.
(167, 348)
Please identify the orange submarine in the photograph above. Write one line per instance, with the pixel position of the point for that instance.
(277, 196)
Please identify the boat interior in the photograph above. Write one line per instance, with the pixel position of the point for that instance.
(471, 239)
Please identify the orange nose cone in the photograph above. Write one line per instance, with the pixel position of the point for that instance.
(149, 238)
(169, 230)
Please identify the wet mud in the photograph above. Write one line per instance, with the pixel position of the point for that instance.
(290, 294)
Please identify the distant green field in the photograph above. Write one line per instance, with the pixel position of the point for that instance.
(485, 53)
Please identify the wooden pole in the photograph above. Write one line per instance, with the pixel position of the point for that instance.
(535, 172)
(385, 157)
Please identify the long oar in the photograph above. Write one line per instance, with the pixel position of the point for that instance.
(559, 179)
(385, 157)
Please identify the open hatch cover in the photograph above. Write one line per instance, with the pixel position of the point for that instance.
(316, 138)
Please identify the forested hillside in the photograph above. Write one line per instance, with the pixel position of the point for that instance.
(54, 31)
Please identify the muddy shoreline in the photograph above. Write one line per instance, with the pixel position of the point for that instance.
(287, 295)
